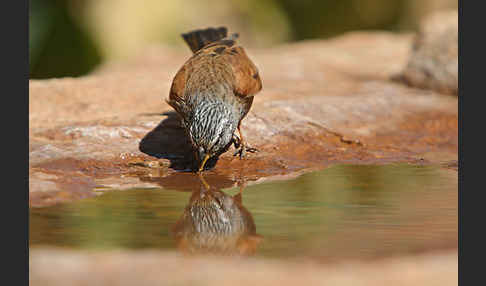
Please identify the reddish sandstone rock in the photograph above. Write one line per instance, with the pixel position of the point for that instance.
(323, 102)
(152, 267)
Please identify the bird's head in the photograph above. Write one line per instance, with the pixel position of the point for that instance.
(211, 131)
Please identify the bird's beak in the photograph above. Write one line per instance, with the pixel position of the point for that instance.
(206, 157)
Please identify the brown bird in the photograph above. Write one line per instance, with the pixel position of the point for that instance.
(213, 91)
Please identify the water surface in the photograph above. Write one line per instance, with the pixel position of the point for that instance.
(342, 211)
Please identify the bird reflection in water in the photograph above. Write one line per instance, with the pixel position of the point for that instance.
(216, 223)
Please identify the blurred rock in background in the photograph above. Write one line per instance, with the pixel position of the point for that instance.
(433, 62)
(71, 37)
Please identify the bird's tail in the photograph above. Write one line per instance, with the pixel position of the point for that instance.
(199, 38)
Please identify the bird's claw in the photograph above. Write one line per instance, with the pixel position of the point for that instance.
(251, 149)
(241, 151)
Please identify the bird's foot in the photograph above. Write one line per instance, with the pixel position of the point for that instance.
(242, 149)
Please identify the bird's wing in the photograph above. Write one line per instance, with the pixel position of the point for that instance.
(247, 80)
(176, 94)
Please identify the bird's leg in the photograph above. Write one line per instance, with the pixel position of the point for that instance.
(241, 145)
(236, 141)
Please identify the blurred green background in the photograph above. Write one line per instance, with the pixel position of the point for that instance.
(72, 37)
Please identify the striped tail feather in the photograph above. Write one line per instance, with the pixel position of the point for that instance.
(197, 39)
